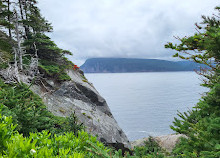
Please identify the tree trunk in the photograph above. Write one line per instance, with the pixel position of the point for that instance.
(9, 19)
(13, 73)
(22, 15)
(25, 8)
(21, 9)
(33, 70)
(19, 50)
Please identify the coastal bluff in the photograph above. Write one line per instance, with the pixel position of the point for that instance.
(81, 97)
(78, 96)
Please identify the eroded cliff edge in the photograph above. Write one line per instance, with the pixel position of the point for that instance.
(78, 95)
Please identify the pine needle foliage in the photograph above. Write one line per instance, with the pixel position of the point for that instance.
(32, 48)
(201, 124)
(55, 70)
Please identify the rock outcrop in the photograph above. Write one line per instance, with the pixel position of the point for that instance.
(79, 96)
(167, 142)
(91, 109)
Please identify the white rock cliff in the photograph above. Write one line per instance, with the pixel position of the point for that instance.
(91, 109)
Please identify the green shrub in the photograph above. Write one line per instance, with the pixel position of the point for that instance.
(44, 144)
(6, 131)
(54, 70)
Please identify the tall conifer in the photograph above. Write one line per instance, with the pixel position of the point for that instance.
(5, 16)
(202, 124)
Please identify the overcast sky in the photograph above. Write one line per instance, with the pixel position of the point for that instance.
(122, 28)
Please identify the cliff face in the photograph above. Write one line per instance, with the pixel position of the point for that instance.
(91, 109)
(78, 95)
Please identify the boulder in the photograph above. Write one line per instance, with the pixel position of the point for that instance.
(167, 142)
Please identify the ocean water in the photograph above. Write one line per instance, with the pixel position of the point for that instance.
(145, 104)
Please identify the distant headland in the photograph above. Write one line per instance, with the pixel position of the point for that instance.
(122, 65)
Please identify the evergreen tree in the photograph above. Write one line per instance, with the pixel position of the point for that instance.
(202, 124)
(22, 14)
(28, 27)
(36, 25)
(5, 16)
(34, 19)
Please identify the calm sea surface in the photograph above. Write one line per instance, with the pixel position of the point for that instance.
(146, 103)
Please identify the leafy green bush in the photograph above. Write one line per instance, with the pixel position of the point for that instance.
(45, 145)
(6, 131)
(40, 145)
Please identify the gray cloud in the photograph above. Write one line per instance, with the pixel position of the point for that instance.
(122, 28)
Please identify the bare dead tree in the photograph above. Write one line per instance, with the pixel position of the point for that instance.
(33, 67)
(15, 72)
(19, 50)
(11, 73)
(9, 19)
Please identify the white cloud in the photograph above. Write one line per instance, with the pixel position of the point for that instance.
(122, 28)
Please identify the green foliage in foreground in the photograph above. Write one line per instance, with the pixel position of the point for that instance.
(202, 124)
(68, 145)
(44, 145)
